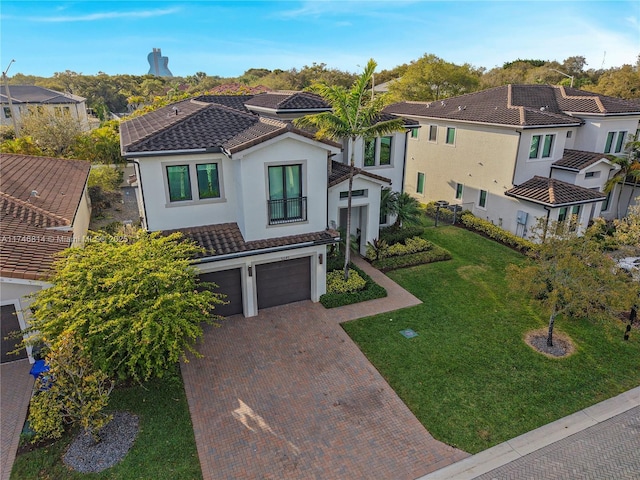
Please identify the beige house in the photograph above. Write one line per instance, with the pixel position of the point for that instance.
(31, 99)
(45, 208)
(516, 153)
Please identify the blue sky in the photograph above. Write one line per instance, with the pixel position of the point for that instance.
(228, 37)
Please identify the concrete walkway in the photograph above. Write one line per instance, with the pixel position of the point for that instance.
(600, 442)
(17, 386)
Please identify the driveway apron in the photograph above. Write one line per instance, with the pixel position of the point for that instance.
(287, 394)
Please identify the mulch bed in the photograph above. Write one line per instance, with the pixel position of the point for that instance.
(562, 345)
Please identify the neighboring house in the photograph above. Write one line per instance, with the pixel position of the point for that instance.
(260, 195)
(31, 99)
(45, 209)
(516, 153)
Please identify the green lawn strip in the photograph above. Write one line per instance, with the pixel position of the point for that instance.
(164, 449)
(468, 376)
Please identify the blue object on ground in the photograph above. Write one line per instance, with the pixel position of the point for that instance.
(38, 368)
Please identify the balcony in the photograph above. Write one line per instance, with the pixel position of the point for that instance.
(287, 210)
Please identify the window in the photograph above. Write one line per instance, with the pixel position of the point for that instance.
(414, 133)
(370, 152)
(420, 183)
(620, 142)
(609, 143)
(385, 151)
(354, 193)
(562, 214)
(537, 141)
(451, 135)
(592, 175)
(606, 202)
(179, 183)
(548, 144)
(208, 183)
(459, 189)
(286, 203)
(535, 146)
(482, 202)
(377, 151)
(569, 134)
(433, 133)
(7, 112)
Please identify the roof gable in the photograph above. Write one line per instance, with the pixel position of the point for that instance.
(283, 101)
(340, 173)
(576, 160)
(554, 193)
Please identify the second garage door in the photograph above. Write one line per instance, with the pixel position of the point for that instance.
(230, 284)
(283, 282)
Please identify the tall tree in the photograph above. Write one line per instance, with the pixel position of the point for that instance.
(354, 114)
(134, 300)
(432, 78)
(573, 276)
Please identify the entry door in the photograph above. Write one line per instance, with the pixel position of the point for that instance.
(9, 325)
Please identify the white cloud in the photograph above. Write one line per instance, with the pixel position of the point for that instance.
(92, 17)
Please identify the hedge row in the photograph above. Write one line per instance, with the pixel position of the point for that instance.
(383, 250)
(496, 233)
(371, 291)
(435, 254)
(393, 235)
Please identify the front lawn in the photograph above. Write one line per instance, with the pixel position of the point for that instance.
(164, 449)
(468, 376)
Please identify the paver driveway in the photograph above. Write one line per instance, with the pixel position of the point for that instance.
(287, 394)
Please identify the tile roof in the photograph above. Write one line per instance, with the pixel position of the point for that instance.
(553, 192)
(518, 105)
(33, 94)
(198, 125)
(577, 160)
(226, 239)
(340, 173)
(282, 101)
(34, 227)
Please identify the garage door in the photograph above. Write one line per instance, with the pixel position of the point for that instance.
(8, 325)
(283, 282)
(229, 283)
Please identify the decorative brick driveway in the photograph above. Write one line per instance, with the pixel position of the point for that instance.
(287, 394)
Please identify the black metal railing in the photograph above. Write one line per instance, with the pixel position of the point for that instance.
(287, 210)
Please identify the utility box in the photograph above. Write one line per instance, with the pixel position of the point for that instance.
(522, 217)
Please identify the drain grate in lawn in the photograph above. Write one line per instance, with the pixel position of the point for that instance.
(408, 333)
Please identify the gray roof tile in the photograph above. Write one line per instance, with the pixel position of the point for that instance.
(553, 192)
(518, 105)
(340, 173)
(577, 160)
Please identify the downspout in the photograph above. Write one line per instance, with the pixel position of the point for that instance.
(546, 223)
(404, 164)
(515, 164)
(144, 204)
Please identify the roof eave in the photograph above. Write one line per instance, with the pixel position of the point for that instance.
(554, 205)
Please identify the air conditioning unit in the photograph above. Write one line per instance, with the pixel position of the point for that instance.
(522, 217)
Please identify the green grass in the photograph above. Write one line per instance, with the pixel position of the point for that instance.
(468, 376)
(164, 449)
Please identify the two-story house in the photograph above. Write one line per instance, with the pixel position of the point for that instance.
(260, 195)
(516, 153)
(29, 99)
(45, 208)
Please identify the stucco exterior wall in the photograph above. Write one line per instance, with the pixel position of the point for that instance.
(592, 136)
(527, 168)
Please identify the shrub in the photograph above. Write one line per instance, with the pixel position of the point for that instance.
(496, 233)
(393, 235)
(105, 177)
(77, 394)
(412, 245)
(337, 284)
(371, 291)
(444, 214)
(376, 249)
(435, 254)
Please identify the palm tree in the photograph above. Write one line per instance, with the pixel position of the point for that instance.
(388, 202)
(407, 210)
(354, 114)
(629, 170)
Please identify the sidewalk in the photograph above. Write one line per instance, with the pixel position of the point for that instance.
(601, 441)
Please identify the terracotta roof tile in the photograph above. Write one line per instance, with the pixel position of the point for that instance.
(553, 192)
(34, 228)
(340, 173)
(226, 239)
(518, 105)
(577, 160)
